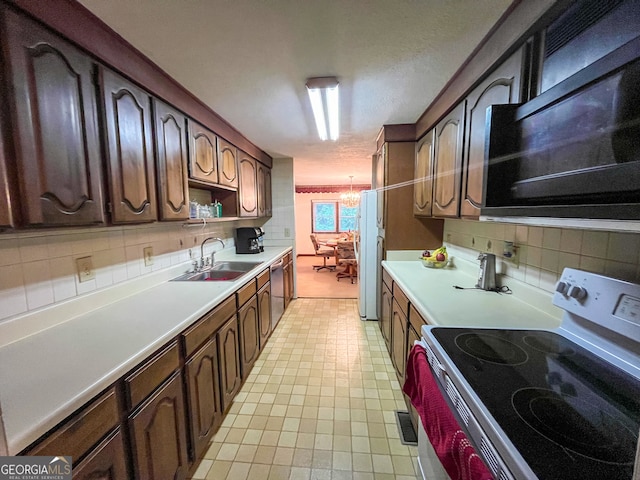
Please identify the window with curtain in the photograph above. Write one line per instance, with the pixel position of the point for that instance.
(331, 216)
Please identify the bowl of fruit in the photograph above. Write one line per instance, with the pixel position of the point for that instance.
(436, 258)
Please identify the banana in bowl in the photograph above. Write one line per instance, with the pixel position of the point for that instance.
(439, 258)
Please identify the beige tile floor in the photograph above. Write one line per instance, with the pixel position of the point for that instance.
(318, 405)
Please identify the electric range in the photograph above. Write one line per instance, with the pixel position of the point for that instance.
(540, 404)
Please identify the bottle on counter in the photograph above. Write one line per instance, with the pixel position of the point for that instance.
(193, 209)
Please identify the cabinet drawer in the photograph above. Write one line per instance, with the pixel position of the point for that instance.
(416, 320)
(197, 334)
(386, 278)
(83, 430)
(147, 378)
(246, 292)
(263, 278)
(288, 258)
(401, 299)
(109, 457)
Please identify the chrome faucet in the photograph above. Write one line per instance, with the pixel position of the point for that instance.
(204, 263)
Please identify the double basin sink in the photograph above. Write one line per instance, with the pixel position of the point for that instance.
(219, 272)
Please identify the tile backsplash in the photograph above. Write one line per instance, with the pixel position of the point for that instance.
(541, 253)
(39, 268)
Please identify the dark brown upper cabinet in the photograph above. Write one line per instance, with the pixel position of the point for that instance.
(203, 154)
(171, 151)
(248, 186)
(8, 210)
(129, 149)
(263, 178)
(380, 169)
(500, 87)
(448, 163)
(423, 186)
(227, 164)
(54, 123)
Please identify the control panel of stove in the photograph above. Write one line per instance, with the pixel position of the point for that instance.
(612, 303)
(574, 291)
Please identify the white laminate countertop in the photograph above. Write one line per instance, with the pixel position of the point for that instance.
(46, 376)
(431, 292)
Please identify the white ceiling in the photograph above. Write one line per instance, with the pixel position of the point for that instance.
(248, 60)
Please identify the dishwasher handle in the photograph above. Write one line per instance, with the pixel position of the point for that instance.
(275, 266)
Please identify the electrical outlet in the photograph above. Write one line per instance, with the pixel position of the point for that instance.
(287, 232)
(148, 256)
(84, 266)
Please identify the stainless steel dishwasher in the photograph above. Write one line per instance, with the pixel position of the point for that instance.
(277, 292)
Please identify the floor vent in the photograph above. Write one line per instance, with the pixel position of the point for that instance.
(405, 427)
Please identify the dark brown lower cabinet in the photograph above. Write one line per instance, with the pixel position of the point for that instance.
(105, 462)
(158, 434)
(264, 311)
(203, 396)
(398, 340)
(288, 280)
(230, 374)
(249, 335)
(385, 315)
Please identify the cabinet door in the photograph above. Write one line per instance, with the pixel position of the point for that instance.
(203, 396)
(448, 164)
(227, 164)
(288, 283)
(9, 215)
(230, 379)
(129, 149)
(55, 127)
(423, 177)
(385, 315)
(203, 154)
(380, 167)
(158, 434)
(105, 462)
(264, 310)
(264, 190)
(249, 335)
(398, 340)
(248, 187)
(501, 87)
(171, 148)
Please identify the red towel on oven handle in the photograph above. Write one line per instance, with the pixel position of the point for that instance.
(457, 455)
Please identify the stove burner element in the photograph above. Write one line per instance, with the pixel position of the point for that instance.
(491, 348)
(548, 342)
(576, 425)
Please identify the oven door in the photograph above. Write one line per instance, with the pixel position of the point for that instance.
(466, 421)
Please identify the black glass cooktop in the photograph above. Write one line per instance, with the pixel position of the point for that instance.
(570, 414)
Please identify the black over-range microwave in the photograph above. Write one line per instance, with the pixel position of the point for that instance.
(574, 150)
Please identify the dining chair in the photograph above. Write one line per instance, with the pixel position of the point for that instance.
(346, 257)
(324, 252)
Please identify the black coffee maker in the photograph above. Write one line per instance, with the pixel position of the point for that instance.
(249, 240)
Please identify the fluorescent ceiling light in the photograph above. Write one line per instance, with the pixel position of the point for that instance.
(324, 97)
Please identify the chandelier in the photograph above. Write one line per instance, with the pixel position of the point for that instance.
(350, 198)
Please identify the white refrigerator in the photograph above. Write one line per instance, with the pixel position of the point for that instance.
(369, 255)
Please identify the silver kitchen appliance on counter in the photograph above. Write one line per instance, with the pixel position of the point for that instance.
(549, 404)
(249, 240)
(487, 275)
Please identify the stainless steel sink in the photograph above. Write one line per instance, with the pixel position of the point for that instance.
(219, 272)
(235, 266)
